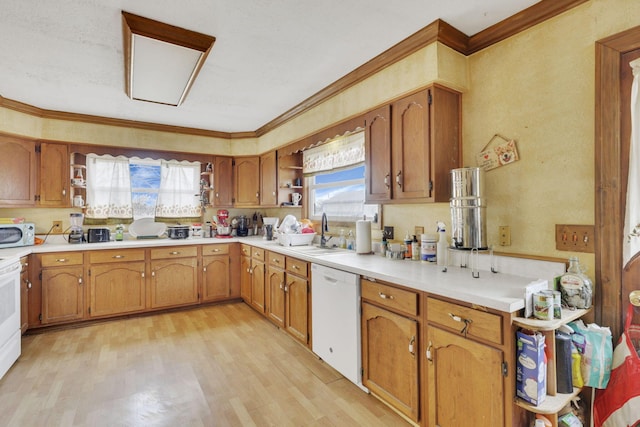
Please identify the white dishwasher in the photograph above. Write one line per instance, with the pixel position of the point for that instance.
(335, 319)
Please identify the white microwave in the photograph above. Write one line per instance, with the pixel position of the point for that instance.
(12, 235)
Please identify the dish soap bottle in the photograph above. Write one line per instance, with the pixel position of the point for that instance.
(351, 243)
(415, 249)
(407, 245)
(442, 250)
(342, 241)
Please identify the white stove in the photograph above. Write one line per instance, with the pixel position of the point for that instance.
(9, 313)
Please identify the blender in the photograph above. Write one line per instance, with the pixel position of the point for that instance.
(75, 232)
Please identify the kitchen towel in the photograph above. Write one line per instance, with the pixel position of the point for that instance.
(631, 236)
(363, 237)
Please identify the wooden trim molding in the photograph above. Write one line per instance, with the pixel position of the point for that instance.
(437, 31)
(609, 216)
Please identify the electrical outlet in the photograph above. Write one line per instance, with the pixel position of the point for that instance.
(505, 235)
(575, 238)
(57, 227)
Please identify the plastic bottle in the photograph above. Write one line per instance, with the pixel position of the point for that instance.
(342, 240)
(415, 249)
(119, 232)
(408, 247)
(351, 242)
(383, 247)
(442, 251)
(428, 248)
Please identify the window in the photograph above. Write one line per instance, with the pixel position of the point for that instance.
(145, 182)
(335, 172)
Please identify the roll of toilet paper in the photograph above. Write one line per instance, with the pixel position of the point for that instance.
(363, 237)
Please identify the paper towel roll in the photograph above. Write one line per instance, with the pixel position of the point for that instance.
(363, 236)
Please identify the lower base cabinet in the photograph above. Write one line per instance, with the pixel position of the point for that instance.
(245, 278)
(174, 282)
(465, 381)
(62, 294)
(117, 289)
(215, 278)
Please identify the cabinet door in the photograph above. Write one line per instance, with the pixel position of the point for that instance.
(257, 285)
(268, 179)
(55, 175)
(377, 139)
(275, 286)
(445, 135)
(389, 358)
(25, 285)
(465, 383)
(297, 300)
(215, 278)
(245, 279)
(223, 182)
(17, 172)
(174, 282)
(117, 288)
(411, 156)
(62, 294)
(247, 181)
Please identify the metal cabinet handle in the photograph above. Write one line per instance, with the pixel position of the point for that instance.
(281, 285)
(385, 296)
(204, 269)
(399, 179)
(296, 267)
(28, 284)
(142, 274)
(386, 180)
(429, 355)
(62, 260)
(276, 260)
(64, 191)
(411, 342)
(153, 274)
(117, 256)
(174, 253)
(80, 281)
(216, 250)
(467, 323)
(257, 195)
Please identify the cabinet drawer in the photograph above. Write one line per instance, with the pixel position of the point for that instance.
(276, 259)
(174, 252)
(257, 253)
(61, 258)
(245, 250)
(298, 267)
(481, 324)
(116, 255)
(389, 296)
(215, 250)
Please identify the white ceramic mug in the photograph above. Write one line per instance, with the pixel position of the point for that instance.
(295, 198)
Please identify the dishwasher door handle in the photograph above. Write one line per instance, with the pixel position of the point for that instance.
(330, 279)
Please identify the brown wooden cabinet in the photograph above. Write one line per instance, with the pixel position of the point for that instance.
(54, 179)
(269, 179)
(465, 366)
(215, 273)
(390, 346)
(297, 299)
(25, 287)
(245, 273)
(62, 281)
(258, 297)
(246, 174)
(174, 276)
(117, 283)
(425, 144)
(223, 182)
(276, 288)
(17, 171)
(377, 139)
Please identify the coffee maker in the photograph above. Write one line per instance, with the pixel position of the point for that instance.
(76, 235)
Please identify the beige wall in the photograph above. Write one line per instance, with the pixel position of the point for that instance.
(536, 87)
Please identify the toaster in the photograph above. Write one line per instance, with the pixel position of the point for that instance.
(97, 235)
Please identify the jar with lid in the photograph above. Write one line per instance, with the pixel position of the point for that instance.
(576, 287)
(119, 232)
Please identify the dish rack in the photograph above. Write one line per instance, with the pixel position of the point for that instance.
(291, 239)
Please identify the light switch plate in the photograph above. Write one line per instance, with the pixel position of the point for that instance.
(575, 238)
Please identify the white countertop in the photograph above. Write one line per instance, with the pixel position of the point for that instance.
(500, 291)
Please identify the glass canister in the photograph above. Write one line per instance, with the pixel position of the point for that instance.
(576, 287)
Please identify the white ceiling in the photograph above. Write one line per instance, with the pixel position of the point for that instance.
(269, 55)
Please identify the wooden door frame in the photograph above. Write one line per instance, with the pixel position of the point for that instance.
(609, 182)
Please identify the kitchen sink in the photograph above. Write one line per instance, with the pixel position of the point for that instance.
(316, 250)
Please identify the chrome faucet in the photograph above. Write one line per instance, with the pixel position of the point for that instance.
(324, 226)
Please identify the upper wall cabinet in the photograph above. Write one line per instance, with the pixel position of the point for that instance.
(269, 179)
(17, 172)
(246, 181)
(412, 145)
(223, 182)
(54, 175)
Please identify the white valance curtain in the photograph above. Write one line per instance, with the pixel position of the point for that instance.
(178, 196)
(631, 242)
(108, 187)
(338, 153)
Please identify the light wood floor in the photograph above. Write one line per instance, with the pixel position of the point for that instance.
(215, 366)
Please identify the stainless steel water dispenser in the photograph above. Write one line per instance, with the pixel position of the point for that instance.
(468, 209)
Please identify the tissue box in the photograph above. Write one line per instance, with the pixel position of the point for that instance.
(531, 368)
(296, 239)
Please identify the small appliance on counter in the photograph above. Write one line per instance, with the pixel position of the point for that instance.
(98, 235)
(20, 234)
(243, 226)
(76, 235)
(223, 227)
(178, 231)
